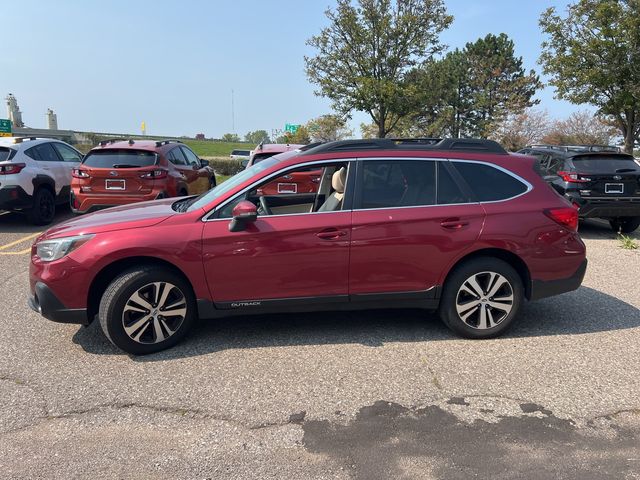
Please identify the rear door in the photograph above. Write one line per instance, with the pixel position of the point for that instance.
(50, 162)
(119, 171)
(410, 220)
(608, 176)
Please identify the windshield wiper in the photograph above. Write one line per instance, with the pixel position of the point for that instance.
(183, 205)
(125, 165)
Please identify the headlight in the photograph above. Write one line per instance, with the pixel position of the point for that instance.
(50, 250)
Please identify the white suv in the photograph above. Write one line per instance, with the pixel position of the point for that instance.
(35, 175)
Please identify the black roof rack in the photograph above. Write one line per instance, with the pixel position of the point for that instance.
(111, 140)
(159, 143)
(451, 144)
(577, 148)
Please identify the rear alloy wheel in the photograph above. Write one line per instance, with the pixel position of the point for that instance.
(147, 310)
(44, 207)
(625, 224)
(481, 298)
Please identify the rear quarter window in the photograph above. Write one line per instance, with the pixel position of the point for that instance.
(488, 183)
(119, 159)
(6, 153)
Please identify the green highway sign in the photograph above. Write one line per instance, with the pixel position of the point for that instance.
(291, 128)
(5, 127)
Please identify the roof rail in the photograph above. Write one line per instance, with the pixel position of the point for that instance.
(111, 140)
(159, 143)
(578, 148)
(449, 144)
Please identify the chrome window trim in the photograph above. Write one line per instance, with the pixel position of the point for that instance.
(279, 173)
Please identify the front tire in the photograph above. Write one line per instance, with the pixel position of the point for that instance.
(44, 207)
(147, 309)
(481, 298)
(625, 224)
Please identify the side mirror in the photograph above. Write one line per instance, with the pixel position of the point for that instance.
(204, 163)
(243, 213)
(244, 163)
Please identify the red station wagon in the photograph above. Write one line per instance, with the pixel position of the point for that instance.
(123, 172)
(457, 225)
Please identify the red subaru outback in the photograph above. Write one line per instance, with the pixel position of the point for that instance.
(457, 226)
(122, 172)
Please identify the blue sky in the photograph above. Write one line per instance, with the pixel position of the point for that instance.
(107, 66)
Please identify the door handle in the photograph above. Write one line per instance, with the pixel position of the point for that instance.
(453, 223)
(331, 234)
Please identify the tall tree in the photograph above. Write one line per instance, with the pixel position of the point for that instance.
(364, 55)
(327, 128)
(471, 91)
(522, 129)
(301, 136)
(593, 56)
(257, 136)
(581, 128)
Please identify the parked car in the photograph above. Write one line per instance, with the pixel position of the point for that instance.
(35, 175)
(119, 172)
(599, 180)
(456, 226)
(240, 154)
(299, 182)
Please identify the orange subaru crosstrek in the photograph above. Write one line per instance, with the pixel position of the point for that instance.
(118, 172)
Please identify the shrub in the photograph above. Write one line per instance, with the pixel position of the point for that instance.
(225, 166)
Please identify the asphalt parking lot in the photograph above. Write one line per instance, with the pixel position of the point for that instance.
(340, 395)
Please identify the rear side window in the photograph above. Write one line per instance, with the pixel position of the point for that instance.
(604, 164)
(119, 159)
(489, 183)
(448, 191)
(6, 153)
(43, 153)
(398, 183)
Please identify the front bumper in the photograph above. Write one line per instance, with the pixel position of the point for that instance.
(13, 197)
(44, 301)
(548, 288)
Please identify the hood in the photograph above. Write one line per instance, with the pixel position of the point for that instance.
(136, 215)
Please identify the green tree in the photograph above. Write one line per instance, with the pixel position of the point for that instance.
(470, 92)
(230, 137)
(593, 56)
(257, 137)
(301, 137)
(581, 128)
(364, 55)
(327, 128)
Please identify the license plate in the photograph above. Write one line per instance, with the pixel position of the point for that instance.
(614, 188)
(287, 188)
(115, 185)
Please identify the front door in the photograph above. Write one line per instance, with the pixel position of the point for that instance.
(295, 257)
(408, 227)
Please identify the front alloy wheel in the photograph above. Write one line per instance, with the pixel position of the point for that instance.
(147, 309)
(154, 312)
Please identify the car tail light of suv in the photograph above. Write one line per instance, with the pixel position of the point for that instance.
(11, 168)
(567, 217)
(155, 174)
(573, 177)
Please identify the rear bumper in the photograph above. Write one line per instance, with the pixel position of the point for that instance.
(13, 197)
(604, 207)
(44, 301)
(548, 288)
(84, 204)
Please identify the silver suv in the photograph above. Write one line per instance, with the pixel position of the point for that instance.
(35, 175)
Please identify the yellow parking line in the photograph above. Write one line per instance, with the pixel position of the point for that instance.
(21, 252)
(20, 240)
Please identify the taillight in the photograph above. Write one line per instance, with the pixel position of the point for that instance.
(154, 174)
(573, 177)
(79, 173)
(11, 168)
(565, 216)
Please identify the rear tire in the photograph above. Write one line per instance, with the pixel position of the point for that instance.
(147, 309)
(625, 224)
(44, 207)
(481, 298)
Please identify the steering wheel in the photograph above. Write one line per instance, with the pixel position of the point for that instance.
(264, 206)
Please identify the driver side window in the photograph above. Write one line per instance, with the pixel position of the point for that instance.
(297, 191)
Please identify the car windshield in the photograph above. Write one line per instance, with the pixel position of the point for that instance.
(120, 159)
(230, 184)
(605, 164)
